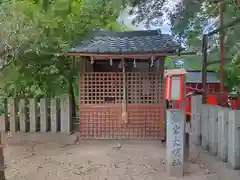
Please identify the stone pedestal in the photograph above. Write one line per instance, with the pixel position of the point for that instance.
(12, 111)
(66, 114)
(54, 115)
(33, 115)
(205, 127)
(213, 129)
(23, 115)
(175, 142)
(43, 115)
(223, 115)
(234, 139)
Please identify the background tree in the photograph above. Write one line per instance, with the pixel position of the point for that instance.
(189, 20)
(40, 70)
(34, 34)
(17, 34)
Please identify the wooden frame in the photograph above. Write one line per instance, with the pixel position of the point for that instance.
(135, 55)
(135, 118)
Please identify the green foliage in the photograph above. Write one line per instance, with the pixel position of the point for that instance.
(233, 74)
(190, 19)
(39, 70)
(17, 33)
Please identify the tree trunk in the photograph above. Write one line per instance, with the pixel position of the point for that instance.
(2, 173)
(71, 93)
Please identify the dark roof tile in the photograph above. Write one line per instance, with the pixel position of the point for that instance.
(99, 41)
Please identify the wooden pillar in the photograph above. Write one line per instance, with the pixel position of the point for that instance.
(222, 53)
(204, 67)
(124, 101)
(161, 62)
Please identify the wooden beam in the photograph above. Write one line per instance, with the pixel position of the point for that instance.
(222, 50)
(233, 23)
(127, 55)
(117, 57)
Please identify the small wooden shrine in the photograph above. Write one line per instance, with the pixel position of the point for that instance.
(121, 88)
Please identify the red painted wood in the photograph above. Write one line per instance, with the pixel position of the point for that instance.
(101, 96)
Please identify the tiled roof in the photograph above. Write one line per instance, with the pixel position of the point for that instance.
(99, 41)
(196, 77)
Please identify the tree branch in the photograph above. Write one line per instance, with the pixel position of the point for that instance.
(5, 66)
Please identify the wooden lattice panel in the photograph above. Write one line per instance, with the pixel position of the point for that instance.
(101, 96)
(104, 122)
(145, 88)
(107, 87)
(101, 88)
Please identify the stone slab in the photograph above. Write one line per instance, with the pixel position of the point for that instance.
(54, 115)
(213, 133)
(175, 142)
(234, 139)
(23, 115)
(43, 115)
(66, 114)
(33, 115)
(205, 127)
(223, 115)
(12, 111)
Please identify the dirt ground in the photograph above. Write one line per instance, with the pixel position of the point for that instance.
(41, 158)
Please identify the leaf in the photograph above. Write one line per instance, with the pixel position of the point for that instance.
(36, 31)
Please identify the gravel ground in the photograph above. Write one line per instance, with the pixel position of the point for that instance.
(39, 158)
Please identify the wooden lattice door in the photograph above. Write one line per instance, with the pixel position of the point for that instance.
(101, 97)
